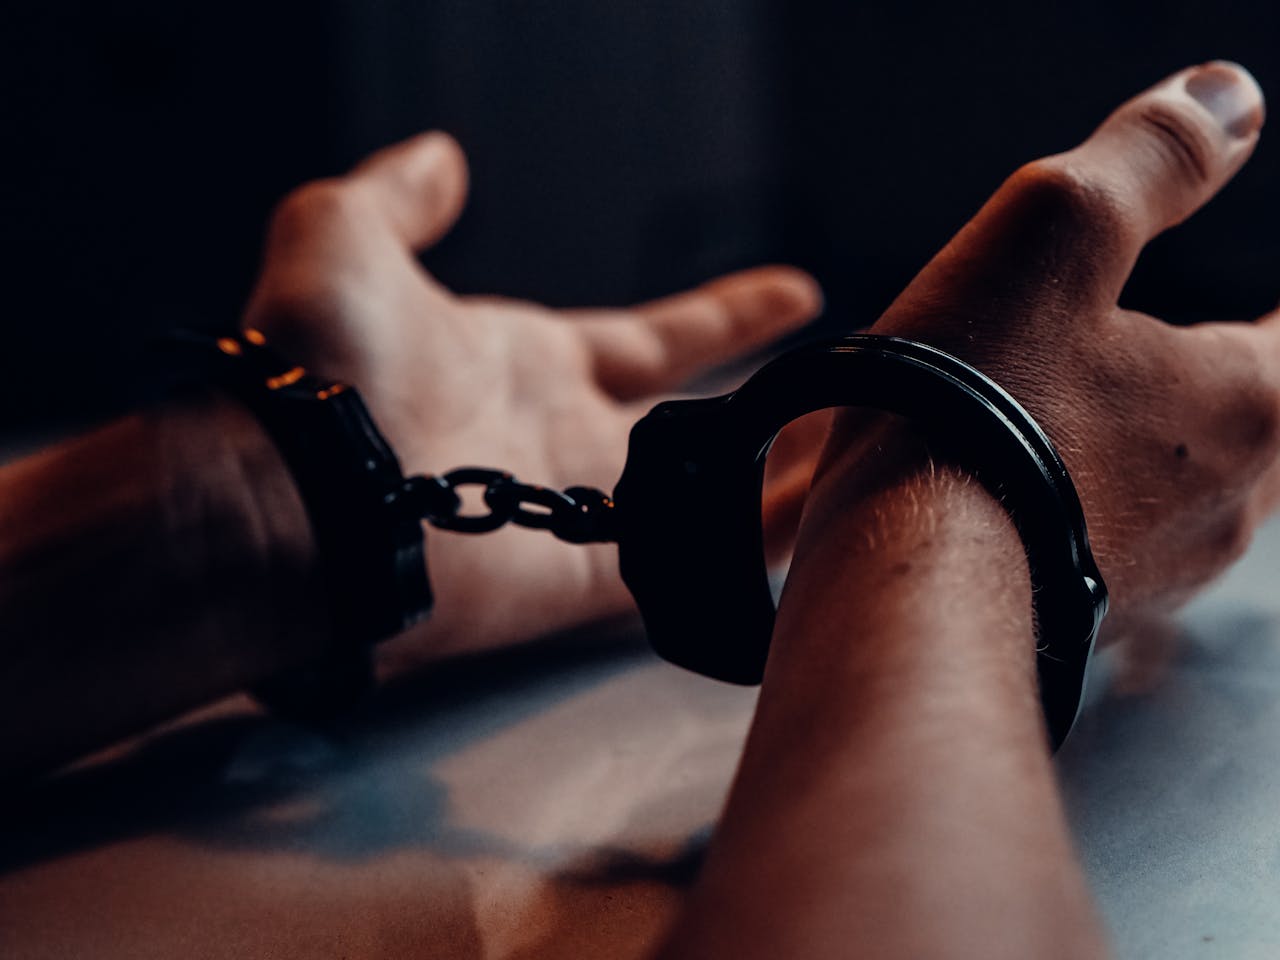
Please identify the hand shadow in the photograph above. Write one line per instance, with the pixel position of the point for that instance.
(361, 787)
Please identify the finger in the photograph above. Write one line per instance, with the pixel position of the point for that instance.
(420, 185)
(658, 346)
(781, 509)
(788, 475)
(1072, 225)
(1165, 153)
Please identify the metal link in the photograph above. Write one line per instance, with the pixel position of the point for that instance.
(500, 510)
(593, 519)
(428, 497)
(578, 515)
(556, 506)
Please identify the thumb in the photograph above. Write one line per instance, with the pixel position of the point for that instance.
(1074, 224)
(1166, 152)
(420, 184)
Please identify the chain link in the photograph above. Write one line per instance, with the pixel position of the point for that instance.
(576, 515)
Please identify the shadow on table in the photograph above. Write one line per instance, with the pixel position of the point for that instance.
(248, 781)
(1183, 758)
(608, 866)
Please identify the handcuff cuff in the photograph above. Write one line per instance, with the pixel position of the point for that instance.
(685, 513)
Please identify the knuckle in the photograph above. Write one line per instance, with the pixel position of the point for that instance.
(1254, 412)
(1234, 535)
(317, 203)
(1234, 383)
(1178, 137)
(1266, 415)
(1061, 191)
(1260, 426)
(287, 309)
(295, 292)
(292, 302)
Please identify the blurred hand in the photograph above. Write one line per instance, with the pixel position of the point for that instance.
(459, 381)
(1171, 434)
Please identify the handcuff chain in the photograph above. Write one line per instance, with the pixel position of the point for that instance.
(576, 515)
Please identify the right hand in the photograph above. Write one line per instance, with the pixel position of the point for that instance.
(1171, 434)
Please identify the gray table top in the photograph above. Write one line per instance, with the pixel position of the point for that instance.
(1172, 777)
(555, 802)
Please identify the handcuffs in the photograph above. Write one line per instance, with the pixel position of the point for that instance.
(685, 513)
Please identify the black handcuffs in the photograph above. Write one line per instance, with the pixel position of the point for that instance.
(685, 512)
(372, 552)
(688, 504)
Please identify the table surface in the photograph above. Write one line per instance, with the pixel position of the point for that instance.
(555, 802)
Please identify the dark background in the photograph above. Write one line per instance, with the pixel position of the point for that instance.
(618, 151)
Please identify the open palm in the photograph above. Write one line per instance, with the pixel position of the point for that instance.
(456, 381)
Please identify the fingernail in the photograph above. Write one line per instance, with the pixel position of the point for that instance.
(1229, 92)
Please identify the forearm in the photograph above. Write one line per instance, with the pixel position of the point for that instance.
(896, 797)
(166, 560)
(151, 566)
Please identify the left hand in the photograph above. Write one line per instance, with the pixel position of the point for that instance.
(457, 381)
(1171, 434)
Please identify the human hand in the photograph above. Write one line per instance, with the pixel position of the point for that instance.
(1171, 434)
(456, 381)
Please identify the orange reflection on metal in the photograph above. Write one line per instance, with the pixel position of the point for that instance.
(331, 391)
(229, 346)
(286, 378)
(255, 337)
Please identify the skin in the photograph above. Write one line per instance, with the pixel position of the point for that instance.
(141, 574)
(895, 798)
(547, 395)
(917, 812)
(202, 578)
(1170, 433)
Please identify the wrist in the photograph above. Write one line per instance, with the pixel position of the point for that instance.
(364, 553)
(154, 565)
(239, 528)
(900, 688)
(925, 563)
